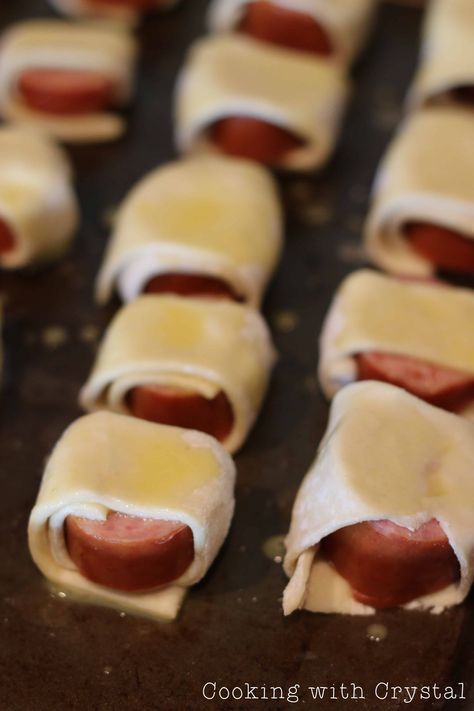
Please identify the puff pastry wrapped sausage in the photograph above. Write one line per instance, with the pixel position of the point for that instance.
(67, 79)
(205, 217)
(413, 334)
(391, 492)
(217, 351)
(292, 105)
(422, 217)
(38, 207)
(108, 466)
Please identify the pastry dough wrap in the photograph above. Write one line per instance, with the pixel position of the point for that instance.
(215, 216)
(427, 175)
(86, 8)
(373, 312)
(196, 344)
(36, 197)
(107, 462)
(55, 44)
(447, 55)
(385, 455)
(231, 75)
(347, 21)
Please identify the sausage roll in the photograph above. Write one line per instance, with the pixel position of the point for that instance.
(38, 208)
(320, 27)
(422, 217)
(131, 514)
(384, 517)
(446, 72)
(187, 362)
(252, 100)
(67, 79)
(128, 11)
(416, 335)
(205, 226)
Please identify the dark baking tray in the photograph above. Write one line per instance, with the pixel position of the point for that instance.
(59, 655)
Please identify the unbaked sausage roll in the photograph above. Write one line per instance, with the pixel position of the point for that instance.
(131, 514)
(206, 226)
(187, 362)
(128, 11)
(68, 79)
(252, 100)
(319, 27)
(417, 335)
(385, 515)
(422, 217)
(446, 72)
(38, 208)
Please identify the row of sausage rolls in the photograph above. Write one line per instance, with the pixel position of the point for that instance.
(131, 514)
(422, 218)
(146, 521)
(38, 208)
(384, 516)
(208, 229)
(128, 11)
(316, 26)
(68, 80)
(271, 85)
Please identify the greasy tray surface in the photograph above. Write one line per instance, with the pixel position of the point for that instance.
(55, 654)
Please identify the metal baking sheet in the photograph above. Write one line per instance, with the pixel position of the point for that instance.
(58, 655)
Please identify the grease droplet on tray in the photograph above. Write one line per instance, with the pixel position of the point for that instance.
(286, 320)
(274, 548)
(377, 633)
(54, 336)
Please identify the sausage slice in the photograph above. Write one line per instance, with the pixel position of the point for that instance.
(444, 248)
(7, 238)
(387, 565)
(287, 28)
(246, 137)
(444, 387)
(190, 285)
(181, 408)
(66, 91)
(129, 553)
